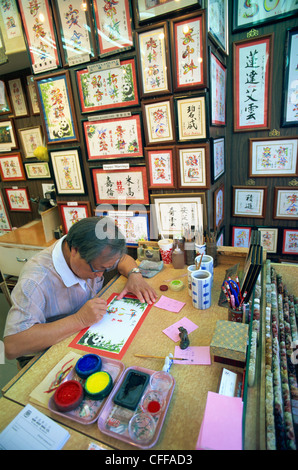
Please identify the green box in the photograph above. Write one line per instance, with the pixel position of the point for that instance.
(230, 340)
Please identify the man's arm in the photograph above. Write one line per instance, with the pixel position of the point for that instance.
(136, 284)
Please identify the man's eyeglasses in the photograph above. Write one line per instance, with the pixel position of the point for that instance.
(102, 270)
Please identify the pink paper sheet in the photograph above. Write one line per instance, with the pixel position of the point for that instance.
(221, 428)
(199, 355)
(172, 331)
(169, 304)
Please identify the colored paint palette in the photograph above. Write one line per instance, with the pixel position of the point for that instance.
(136, 427)
(88, 410)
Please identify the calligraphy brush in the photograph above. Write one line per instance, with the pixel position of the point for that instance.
(162, 357)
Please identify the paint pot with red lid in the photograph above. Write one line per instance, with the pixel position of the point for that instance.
(87, 365)
(68, 395)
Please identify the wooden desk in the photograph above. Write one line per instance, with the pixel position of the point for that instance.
(185, 413)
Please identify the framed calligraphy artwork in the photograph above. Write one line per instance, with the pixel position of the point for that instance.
(8, 139)
(147, 11)
(188, 41)
(252, 78)
(290, 242)
(5, 106)
(218, 158)
(127, 186)
(276, 156)
(154, 60)
(73, 211)
(290, 86)
(134, 226)
(161, 167)
(241, 236)
(5, 224)
(218, 23)
(31, 138)
(249, 201)
(114, 138)
(174, 212)
(219, 206)
(38, 24)
(193, 167)
(191, 116)
(75, 31)
(159, 121)
(110, 87)
(67, 171)
(269, 238)
(56, 102)
(247, 15)
(37, 170)
(113, 22)
(32, 95)
(18, 98)
(218, 79)
(11, 167)
(18, 199)
(285, 204)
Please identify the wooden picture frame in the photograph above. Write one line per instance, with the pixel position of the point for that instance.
(218, 23)
(11, 167)
(41, 37)
(218, 158)
(161, 167)
(241, 236)
(193, 166)
(32, 95)
(57, 105)
(37, 170)
(67, 171)
(252, 89)
(31, 138)
(189, 51)
(5, 108)
(18, 98)
(249, 201)
(5, 224)
(114, 26)
(218, 90)
(18, 199)
(219, 206)
(247, 16)
(160, 9)
(75, 31)
(159, 124)
(290, 242)
(172, 212)
(273, 157)
(118, 137)
(8, 138)
(120, 186)
(134, 225)
(191, 118)
(290, 97)
(72, 211)
(269, 238)
(154, 60)
(285, 205)
(108, 85)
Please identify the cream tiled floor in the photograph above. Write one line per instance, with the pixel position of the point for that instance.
(9, 369)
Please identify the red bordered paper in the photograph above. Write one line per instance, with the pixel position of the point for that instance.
(112, 336)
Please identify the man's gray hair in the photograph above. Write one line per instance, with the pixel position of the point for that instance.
(93, 234)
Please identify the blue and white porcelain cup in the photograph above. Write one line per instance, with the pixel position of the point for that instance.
(201, 283)
(206, 264)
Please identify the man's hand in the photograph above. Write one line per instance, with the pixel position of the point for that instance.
(137, 285)
(92, 312)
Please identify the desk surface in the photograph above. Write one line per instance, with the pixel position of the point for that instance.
(31, 234)
(185, 413)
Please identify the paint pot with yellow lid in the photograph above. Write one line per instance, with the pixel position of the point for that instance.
(176, 285)
(98, 385)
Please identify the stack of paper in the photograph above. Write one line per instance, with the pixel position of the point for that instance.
(221, 428)
(32, 430)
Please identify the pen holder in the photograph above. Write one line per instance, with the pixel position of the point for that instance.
(236, 315)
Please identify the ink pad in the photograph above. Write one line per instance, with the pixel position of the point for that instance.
(163, 287)
(68, 395)
(98, 385)
(87, 365)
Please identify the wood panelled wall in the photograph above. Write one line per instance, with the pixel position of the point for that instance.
(236, 143)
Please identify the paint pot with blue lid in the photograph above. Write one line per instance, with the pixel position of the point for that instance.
(87, 365)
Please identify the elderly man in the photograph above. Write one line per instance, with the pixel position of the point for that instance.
(55, 296)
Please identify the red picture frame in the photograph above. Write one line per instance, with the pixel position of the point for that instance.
(161, 167)
(63, 205)
(11, 167)
(18, 199)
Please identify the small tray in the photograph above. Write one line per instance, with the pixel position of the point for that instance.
(88, 411)
(113, 419)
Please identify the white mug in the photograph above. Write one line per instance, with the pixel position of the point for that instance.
(201, 281)
(206, 264)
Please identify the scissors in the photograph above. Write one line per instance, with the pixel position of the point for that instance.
(234, 290)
